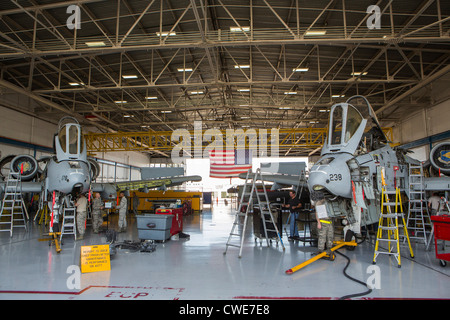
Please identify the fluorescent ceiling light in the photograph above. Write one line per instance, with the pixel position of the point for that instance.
(338, 96)
(196, 92)
(284, 108)
(132, 76)
(243, 90)
(95, 44)
(290, 92)
(120, 101)
(315, 33)
(314, 122)
(242, 66)
(324, 110)
(358, 74)
(300, 69)
(245, 117)
(128, 116)
(151, 98)
(166, 111)
(184, 69)
(239, 29)
(165, 34)
(74, 84)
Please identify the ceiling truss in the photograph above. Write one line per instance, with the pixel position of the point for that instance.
(160, 65)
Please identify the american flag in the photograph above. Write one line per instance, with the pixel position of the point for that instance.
(229, 163)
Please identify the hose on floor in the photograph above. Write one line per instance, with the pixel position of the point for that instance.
(353, 279)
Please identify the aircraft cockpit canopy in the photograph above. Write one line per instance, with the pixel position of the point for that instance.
(70, 144)
(352, 125)
(70, 139)
(352, 122)
(366, 110)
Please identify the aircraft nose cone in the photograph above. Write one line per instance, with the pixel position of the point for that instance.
(317, 180)
(332, 175)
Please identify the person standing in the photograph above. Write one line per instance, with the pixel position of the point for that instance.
(81, 205)
(294, 205)
(135, 203)
(97, 218)
(324, 225)
(123, 206)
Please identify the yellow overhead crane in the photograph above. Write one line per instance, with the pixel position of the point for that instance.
(165, 141)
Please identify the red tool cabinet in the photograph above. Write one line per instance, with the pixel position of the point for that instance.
(441, 232)
(177, 221)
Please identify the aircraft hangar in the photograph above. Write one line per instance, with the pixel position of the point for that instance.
(161, 107)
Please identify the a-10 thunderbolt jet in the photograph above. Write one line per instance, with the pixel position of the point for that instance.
(355, 159)
(70, 172)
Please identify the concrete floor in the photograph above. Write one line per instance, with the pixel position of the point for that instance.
(196, 269)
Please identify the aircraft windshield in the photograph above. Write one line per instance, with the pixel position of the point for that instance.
(336, 126)
(353, 121)
(69, 136)
(366, 110)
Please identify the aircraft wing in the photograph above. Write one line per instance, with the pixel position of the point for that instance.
(154, 183)
(436, 183)
(280, 179)
(27, 187)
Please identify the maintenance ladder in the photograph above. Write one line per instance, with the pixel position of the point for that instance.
(69, 225)
(388, 226)
(239, 226)
(418, 222)
(12, 205)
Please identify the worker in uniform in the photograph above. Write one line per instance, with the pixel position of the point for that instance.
(123, 206)
(81, 205)
(135, 203)
(324, 225)
(434, 203)
(97, 218)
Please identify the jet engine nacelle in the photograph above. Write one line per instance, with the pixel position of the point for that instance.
(94, 168)
(26, 165)
(440, 157)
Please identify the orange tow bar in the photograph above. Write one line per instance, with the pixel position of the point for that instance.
(339, 245)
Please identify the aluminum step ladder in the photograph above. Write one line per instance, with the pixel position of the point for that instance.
(418, 222)
(69, 224)
(12, 212)
(251, 191)
(388, 226)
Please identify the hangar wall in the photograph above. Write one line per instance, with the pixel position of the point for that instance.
(22, 127)
(422, 124)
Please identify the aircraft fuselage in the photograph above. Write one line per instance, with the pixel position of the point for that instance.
(68, 176)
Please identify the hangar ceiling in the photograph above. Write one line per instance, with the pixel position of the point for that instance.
(160, 65)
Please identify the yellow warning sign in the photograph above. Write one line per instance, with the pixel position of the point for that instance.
(95, 258)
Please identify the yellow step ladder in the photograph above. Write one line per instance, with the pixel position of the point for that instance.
(388, 226)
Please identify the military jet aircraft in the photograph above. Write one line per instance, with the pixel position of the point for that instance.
(70, 172)
(354, 160)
